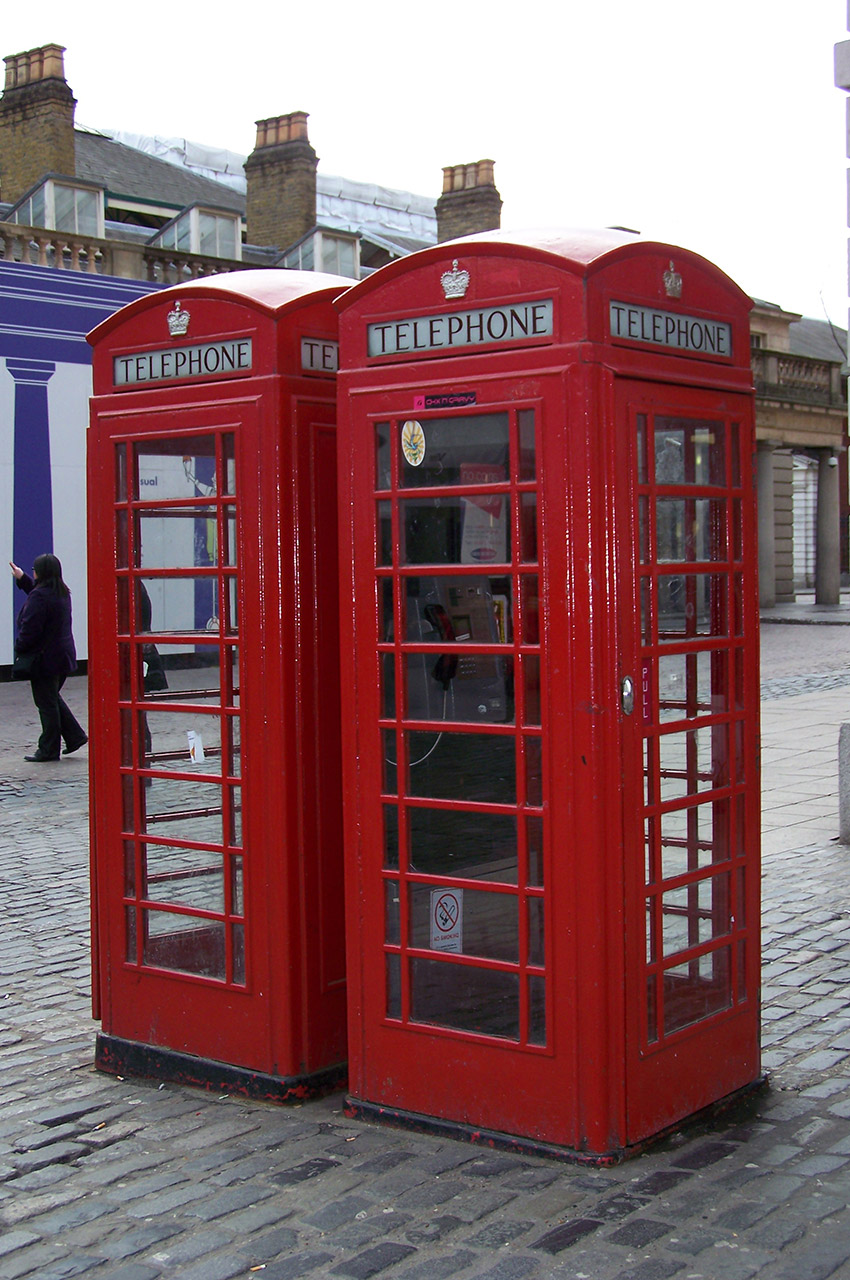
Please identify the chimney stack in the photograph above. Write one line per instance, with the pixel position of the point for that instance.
(470, 202)
(281, 174)
(36, 120)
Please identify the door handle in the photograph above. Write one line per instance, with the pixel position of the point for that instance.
(627, 695)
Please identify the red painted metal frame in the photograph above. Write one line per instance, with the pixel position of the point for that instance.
(285, 1019)
(594, 1087)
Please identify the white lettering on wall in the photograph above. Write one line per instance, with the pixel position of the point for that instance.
(513, 322)
(668, 329)
(204, 360)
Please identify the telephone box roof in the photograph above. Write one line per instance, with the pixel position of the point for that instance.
(269, 289)
(579, 250)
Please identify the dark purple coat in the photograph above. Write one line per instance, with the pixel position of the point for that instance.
(44, 627)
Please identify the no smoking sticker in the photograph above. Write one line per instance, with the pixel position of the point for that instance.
(447, 919)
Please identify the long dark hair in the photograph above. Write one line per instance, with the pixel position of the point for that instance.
(48, 571)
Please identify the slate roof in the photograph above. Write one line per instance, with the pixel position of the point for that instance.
(818, 338)
(133, 174)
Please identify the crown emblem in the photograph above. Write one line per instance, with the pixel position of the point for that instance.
(455, 283)
(178, 321)
(672, 282)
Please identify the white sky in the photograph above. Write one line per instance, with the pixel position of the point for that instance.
(713, 126)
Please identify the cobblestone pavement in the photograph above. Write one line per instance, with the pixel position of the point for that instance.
(128, 1180)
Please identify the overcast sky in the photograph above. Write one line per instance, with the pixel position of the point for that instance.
(716, 127)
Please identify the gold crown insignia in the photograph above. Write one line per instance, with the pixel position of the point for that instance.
(455, 283)
(672, 282)
(178, 321)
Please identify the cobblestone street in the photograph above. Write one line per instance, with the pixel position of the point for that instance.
(133, 1180)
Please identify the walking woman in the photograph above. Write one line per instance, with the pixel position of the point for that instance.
(44, 631)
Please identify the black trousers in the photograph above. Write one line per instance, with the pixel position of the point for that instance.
(57, 720)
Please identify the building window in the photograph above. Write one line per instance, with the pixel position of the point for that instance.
(59, 206)
(756, 341)
(325, 251)
(196, 230)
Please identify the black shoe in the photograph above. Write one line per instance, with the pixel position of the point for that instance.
(66, 751)
(38, 758)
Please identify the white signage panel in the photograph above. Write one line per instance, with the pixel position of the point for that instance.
(510, 323)
(201, 360)
(319, 356)
(670, 329)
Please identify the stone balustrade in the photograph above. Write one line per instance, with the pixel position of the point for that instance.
(65, 251)
(798, 379)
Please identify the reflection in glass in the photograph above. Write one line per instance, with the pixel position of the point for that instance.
(533, 771)
(228, 447)
(230, 550)
(172, 604)
(690, 529)
(235, 794)
(464, 451)
(393, 972)
(387, 661)
(189, 810)
(697, 989)
(131, 937)
(192, 673)
(386, 615)
(465, 998)
(689, 451)
(129, 869)
(385, 535)
(184, 877)
(444, 842)
(695, 913)
(531, 688)
(184, 943)
(692, 761)
(692, 604)
(120, 473)
(122, 539)
(528, 528)
(691, 685)
(640, 429)
(468, 688)
(237, 885)
(175, 467)
(180, 538)
(463, 766)
(388, 746)
(237, 932)
(693, 838)
(168, 745)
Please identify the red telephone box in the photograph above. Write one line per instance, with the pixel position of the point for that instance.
(214, 692)
(550, 689)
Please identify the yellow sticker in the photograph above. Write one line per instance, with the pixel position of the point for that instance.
(413, 442)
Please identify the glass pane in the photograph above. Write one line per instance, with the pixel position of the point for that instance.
(468, 689)
(181, 741)
(122, 539)
(388, 701)
(467, 609)
(393, 971)
(533, 771)
(462, 766)
(383, 464)
(528, 528)
(531, 687)
(465, 997)
(392, 914)
(534, 836)
(63, 208)
(129, 869)
(527, 447)
(696, 760)
(536, 943)
(385, 535)
(692, 605)
(177, 604)
(694, 838)
(390, 837)
(235, 802)
(454, 530)
(689, 451)
(536, 1009)
(388, 743)
(121, 473)
(691, 685)
(237, 932)
(176, 467)
(237, 885)
(187, 810)
(230, 550)
(88, 207)
(689, 529)
(184, 943)
(472, 846)
(386, 614)
(697, 990)
(184, 877)
(185, 538)
(228, 455)
(529, 591)
(192, 673)
(696, 913)
(232, 764)
(640, 428)
(456, 451)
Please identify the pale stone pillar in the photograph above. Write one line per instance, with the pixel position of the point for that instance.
(766, 526)
(827, 556)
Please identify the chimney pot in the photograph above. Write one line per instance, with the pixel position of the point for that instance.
(470, 202)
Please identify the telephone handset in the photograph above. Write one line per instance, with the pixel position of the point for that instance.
(445, 668)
